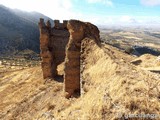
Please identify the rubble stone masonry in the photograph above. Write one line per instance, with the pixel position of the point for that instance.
(62, 43)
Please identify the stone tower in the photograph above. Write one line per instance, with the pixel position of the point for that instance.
(62, 43)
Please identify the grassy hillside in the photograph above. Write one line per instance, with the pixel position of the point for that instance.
(112, 87)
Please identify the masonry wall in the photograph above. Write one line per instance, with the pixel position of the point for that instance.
(53, 41)
(63, 43)
(72, 60)
(58, 41)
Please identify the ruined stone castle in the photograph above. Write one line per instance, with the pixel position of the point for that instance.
(63, 43)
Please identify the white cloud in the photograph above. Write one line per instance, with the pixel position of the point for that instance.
(65, 9)
(150, 2)
(56, 9)
(127, 19)
(105, 2)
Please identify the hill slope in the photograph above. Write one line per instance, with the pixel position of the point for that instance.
(18, 30)
(111, 86)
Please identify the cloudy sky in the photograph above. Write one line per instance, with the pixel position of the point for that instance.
(100, 12)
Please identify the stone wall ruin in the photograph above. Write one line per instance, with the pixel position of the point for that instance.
(62, 43)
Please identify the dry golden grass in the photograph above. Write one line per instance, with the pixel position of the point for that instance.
(149, 62)
(112, 86)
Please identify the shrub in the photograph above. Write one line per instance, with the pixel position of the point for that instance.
(129, 50)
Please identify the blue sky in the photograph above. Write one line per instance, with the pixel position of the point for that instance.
(100, 12)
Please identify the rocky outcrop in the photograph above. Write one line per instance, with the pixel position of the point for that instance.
(62, 43)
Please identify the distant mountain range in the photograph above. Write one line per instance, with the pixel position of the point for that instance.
(19, 30)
